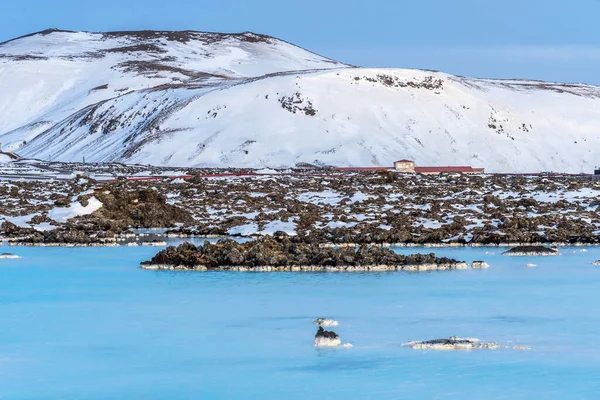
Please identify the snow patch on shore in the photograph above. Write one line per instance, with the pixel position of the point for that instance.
(63, 214)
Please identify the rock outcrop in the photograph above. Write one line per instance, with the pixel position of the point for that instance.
(140, 208)
(325, 338)
(283, 253)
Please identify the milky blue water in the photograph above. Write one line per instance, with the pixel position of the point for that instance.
(87, 323)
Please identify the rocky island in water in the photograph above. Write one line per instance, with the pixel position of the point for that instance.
(285, 253)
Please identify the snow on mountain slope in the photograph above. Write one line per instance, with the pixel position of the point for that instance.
(247, 100)
(342, 117)
(46, 77)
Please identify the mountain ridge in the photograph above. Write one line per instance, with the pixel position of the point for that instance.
(249, 100)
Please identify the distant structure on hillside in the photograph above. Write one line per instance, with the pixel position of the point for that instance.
(409, 166)
(596, 174)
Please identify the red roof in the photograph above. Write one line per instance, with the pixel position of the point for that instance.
(405, 161)
(461, 168)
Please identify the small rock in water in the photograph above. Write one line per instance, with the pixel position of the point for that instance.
(532, 251)
(531, 265)
(9, 255)
(479, 265)
(596, 262)
(325, 338)
(325, 322)
(452, 343)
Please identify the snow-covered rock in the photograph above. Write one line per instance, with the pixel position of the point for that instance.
(326, 322)
(247, 100)
(453, 343)
(479, 265)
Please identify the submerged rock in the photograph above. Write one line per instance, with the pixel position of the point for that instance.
(532, 251)
(453, 343)
(596, 262)
(326, 322)
(479, 265)
(325, 338)
(531, 265)
(9, 255)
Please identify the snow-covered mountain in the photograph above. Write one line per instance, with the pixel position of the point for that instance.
(48, 76)
(247, 100)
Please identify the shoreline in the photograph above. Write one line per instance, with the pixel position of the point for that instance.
(104, 244)
(445, 245)
(122, 241)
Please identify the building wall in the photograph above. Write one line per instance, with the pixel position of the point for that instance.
(404, 166)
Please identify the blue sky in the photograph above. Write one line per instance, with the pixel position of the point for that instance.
(549, 40)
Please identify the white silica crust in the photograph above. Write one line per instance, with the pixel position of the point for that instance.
(326, 322)
(479, 265)
(156, 244)
(321, 341)
(532, 254)
(168, 267)
(320, 268)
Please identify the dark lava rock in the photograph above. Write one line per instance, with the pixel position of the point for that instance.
(322, 333)
(285, 252)
(9, 230)
(141, 208)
